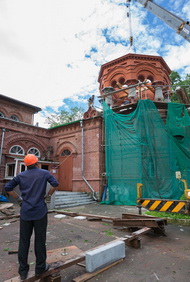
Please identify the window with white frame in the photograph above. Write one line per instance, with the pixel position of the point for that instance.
(16, 150)
(34, 151)
(10, 170)
(14, 117)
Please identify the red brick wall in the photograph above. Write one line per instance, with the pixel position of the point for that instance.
(27, 136)
(25, 114)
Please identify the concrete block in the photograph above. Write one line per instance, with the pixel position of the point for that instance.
(104, 255)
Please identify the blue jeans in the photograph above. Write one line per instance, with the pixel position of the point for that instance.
(26, 229)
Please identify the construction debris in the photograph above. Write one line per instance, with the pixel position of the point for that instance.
(128, 220)
(6, 209)
(57, 262)
(63, 258)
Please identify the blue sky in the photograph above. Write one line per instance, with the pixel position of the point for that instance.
(51, 51)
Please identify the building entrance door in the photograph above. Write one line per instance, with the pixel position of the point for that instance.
(65, 171)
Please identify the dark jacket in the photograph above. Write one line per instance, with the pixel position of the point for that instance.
(32, 183)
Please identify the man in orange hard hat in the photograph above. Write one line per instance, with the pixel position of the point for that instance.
(33, 213)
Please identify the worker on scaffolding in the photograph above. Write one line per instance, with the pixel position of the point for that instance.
(33, 213)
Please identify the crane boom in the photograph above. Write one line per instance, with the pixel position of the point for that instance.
(182, 27)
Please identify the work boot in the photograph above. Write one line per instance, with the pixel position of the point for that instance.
(41, 272)
(23, 276)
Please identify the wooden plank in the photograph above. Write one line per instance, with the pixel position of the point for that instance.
(53, 269)
(74, 256)
(135, 222)
(136, 216)
(62, 254)
(97, 216)
(7, 212)
(73, 214)
(87, 276)
(5, 206)
(12, 252)
(141, 231)
(81, 264)
(9, 217)
(94, 219)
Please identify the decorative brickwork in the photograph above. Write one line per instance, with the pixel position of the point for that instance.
(132, 69)
(51, 143)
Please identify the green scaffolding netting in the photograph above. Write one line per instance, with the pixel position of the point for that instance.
(140, 148)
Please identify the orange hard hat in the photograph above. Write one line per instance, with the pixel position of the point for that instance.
(30, 159)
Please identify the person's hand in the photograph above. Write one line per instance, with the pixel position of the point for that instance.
(48, 199)
(19, 201)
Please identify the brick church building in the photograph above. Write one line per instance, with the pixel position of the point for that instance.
(74, 152)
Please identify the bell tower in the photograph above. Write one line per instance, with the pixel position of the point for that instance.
(148, 74)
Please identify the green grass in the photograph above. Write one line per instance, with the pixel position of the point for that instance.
(183, 197)
(168, 215)
(6, 249)
(108, 232)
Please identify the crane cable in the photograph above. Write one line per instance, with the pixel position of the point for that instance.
(129, 17)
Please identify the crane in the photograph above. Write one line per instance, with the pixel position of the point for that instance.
(182, 27)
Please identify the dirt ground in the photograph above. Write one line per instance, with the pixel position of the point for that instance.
(160, 258)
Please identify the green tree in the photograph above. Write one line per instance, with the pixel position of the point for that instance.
(177, 81)
(175, 77)
(64, 117)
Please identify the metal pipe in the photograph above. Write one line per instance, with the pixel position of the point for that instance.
(131, 86)
(16, 167)
(2, 142)
(120, 90)
(82, 164)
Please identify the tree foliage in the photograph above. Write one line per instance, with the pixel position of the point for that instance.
(177, 81)
(64, 116)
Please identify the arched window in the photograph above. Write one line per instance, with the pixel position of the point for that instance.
(14, 117)
(122, 80)
(65, 152)
(141, 77)
(34, 151)
(1, 115)
(16, 150)
(151, 78)
(113, 83)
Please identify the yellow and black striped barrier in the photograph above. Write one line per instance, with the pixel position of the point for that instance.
(164, 205)
(175, 206)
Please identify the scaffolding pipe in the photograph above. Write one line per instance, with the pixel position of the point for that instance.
(82, 164)
(120, 90)
(2, 142)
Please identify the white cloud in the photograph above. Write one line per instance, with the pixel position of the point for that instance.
(178, 56)
(44, 43)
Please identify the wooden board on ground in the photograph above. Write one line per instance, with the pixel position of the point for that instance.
(59, 259)
(62, 254)
(5, 206)
(87, 276)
